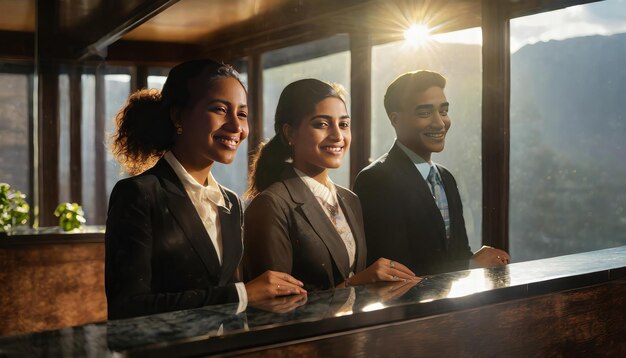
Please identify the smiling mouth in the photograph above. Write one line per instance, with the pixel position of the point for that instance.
(333, 149)
(229, 142)
(439, 135)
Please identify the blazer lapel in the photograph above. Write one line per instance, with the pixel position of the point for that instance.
(422, 195)
(185, 213)
(230, 223)
(356, 226)
(318, 220)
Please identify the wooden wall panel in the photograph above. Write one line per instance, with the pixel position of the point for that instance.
(50, 286)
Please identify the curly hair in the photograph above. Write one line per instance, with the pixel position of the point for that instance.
(143, 135)
(144, 128)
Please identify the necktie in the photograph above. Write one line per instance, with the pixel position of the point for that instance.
(436, 188)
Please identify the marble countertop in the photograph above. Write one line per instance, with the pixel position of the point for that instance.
(52, 235)
(215, 329)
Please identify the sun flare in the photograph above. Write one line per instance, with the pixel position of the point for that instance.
(417, 35)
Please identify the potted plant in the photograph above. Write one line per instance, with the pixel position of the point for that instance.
(13, 208)
(71, 216)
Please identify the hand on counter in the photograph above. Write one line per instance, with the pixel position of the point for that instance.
(383, 270)
(273, 284)
(489, 256)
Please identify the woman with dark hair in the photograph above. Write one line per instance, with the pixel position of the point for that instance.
(299, 221)
(173, 234)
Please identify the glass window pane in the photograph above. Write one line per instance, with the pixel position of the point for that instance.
(156, 82)
(457, 56)
(333, 68)
(14, 130)
(117, 89)
(88, 84)
(568, 178)
(64, 138)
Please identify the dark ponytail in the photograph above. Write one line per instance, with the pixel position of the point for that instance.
(144, 131)
(267, 164)
(296, 102)
(144, 128)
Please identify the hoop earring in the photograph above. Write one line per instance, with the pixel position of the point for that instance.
(179, 130)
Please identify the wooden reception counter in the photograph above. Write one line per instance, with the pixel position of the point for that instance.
(562, 306)
(50, 279)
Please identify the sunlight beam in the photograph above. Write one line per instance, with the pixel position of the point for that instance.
(417, 35)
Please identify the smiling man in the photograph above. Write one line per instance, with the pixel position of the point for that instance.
(411, 206)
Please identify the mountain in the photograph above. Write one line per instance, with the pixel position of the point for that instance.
(573, 92)
(568, 159)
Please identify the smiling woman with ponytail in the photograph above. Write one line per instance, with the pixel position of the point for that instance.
(299, 221)
(173, 234)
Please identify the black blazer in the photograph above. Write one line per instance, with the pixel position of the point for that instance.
(159, 256)
(403, 222)
(287, 230)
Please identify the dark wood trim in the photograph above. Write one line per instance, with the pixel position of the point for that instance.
(307, 51)
(361, 102)
(138, 78)
(76, 116)
(525, 8)
(15, 45)
(36, 237)
(302, 22)
(280, 39)
(48, 149)
(100, 148)
(255, 98)
(163, 54)
(27, 68)
(48, 131)
(292, 24)
(19, 47)
(114, 31)
(33, 200)
(495, 124)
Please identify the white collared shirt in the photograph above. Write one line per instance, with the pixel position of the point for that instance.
(422, 166)
(207, 200)
(327, 194)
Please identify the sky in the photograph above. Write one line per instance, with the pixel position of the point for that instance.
(600, 18)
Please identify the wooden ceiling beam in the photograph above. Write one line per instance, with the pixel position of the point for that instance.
(382, 20)
(17, 46)
(111, 31)
(149, 53)
(283, 25)
(20, 47)
(531, 7)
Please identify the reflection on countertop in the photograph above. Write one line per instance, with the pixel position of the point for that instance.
(215, 329)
